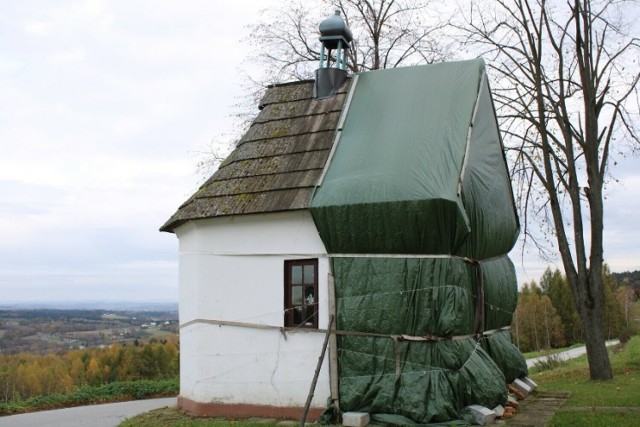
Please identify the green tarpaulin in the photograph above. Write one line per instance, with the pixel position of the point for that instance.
(418, 169)
(417, 202)
(428, 297)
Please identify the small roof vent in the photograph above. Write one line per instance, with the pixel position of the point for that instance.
(336, 38)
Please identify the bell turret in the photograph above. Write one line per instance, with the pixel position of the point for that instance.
(336, 38)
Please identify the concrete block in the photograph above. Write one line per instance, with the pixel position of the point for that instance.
(531, 383)
(355, 419)
(481, 415)
(522, 386)
(499, 410)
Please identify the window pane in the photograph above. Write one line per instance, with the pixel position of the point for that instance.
(309, 274)
(309, 296)
(296, 295)
(296, 274)
(297, 315)
(308, 319)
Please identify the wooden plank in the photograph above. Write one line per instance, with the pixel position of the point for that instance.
(333, 346)
(312, 389)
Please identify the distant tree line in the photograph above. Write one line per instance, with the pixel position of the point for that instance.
(630, 279)
(26, 375)
(51, 314)
(546, 315)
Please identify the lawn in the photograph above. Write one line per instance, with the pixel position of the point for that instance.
(172, 417)
(597, 403)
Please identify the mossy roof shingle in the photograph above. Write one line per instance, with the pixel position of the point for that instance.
(277, 163)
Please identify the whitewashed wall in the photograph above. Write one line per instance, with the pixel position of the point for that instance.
(232, 269)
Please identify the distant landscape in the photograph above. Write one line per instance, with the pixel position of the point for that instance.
(41, 328)
(55, 355)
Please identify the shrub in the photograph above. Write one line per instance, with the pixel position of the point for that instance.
(85, 395)
(550, 362)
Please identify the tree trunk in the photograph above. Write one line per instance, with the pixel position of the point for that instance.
(546, 325)
(594, 336)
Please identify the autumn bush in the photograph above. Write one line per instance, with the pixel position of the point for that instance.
(27, 376)
(546, 316)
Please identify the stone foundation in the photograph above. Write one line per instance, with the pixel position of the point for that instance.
(245, 411)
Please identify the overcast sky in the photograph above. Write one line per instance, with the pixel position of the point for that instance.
(104, 106)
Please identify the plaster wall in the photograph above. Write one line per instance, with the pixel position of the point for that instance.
(232, 270)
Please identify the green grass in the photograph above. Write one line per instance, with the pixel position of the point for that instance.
(574, 419)
(172, 417)
(112, 392)
(573, 376)
(588, 396)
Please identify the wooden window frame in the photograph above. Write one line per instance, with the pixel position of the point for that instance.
(289, 319)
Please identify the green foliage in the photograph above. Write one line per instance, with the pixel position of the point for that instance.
(551, 361)
(24, 376)
(536, 327)
(557, 288)
(536, 324)
(613, 314)
(630, 279)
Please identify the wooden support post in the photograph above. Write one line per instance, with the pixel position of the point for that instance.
(333, 347)
(312, 389)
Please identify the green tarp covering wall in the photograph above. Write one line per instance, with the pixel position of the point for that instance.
(417, 206)
(396, 184)
(402, 299)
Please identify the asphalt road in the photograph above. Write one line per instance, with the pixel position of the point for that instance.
(565, 355)
(105, 415)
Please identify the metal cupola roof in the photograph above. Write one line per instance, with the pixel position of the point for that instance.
(335, 37)
(333, 29)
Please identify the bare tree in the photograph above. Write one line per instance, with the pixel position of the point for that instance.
(286, 47)
(566, 89)
(387, 33)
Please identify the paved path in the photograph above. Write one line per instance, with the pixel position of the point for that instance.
(537, 409)
(566, 355)
(104, 415)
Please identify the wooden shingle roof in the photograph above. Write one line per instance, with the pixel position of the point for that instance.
(277, 163)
